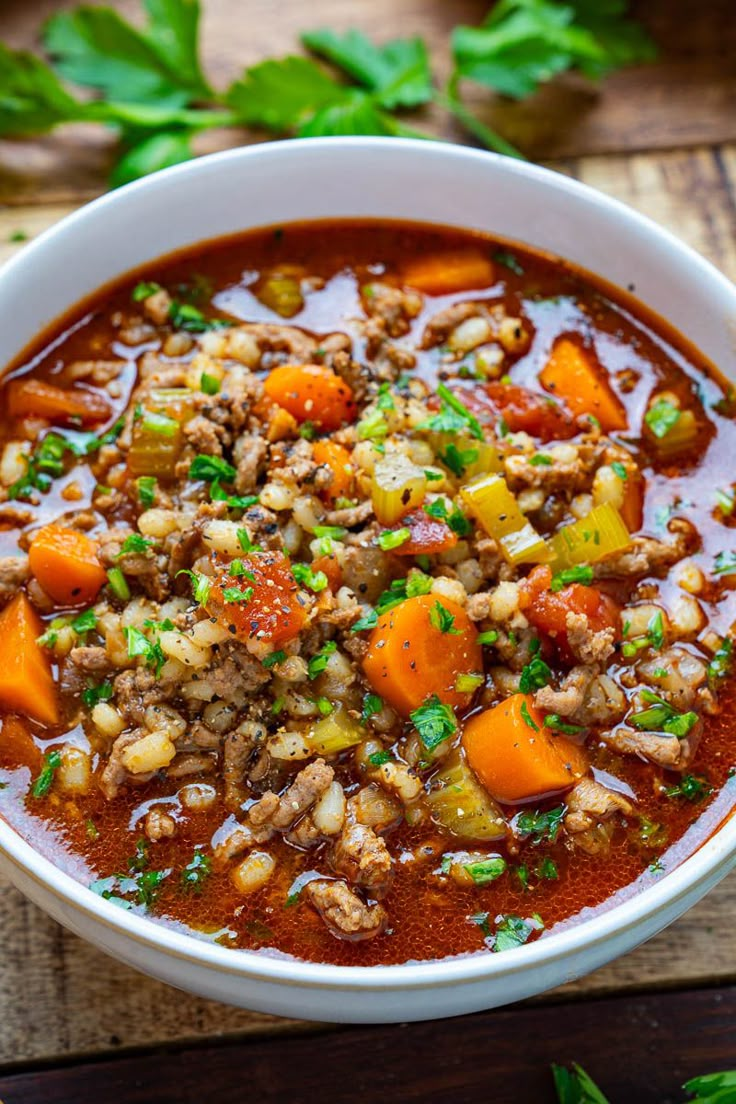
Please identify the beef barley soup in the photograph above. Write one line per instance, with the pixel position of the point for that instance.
(366, 593)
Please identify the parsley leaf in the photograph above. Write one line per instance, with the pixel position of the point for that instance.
(305, 576)
(582, 573)
(97, 48)
(662, 717)
(539, 826)
(146, 485)
(211, 468)
(574, 1086)
(94, 694)
(521, 45)
(397, 74)
(140, 645)
(512, 931)
(662, 417)
(434, 721)
(134, 543)
(51, 763)
(372, 704)
(534, 675)
(196, 872)
(442, 620)
(691, 788)
(318, 663)
(394, 538)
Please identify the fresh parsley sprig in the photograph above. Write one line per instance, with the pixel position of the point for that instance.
(148, 84)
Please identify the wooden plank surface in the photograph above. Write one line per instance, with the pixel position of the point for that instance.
(639, 1049)
(687, 98)
(80, 1002)
(59, 996)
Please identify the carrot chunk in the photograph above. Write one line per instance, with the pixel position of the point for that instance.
(66, 565)
(261, 602)
(572, 375)
(442, 273)
(32, 397)
(26, 682)
(337, 459)
(312, 393)
(415, 650)
(516, 757)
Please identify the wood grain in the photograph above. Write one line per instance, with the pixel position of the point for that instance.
(640, 1049)
(83, 1003)
(687, 98)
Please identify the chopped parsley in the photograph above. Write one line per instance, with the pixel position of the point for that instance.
(118, 584)
(457, 460)
(51, 763)
(378, 758)
(305, 576)
(486, 870)
(691, 788)
(539, 826)
(235, 594)
(211, 468)
(540, 460)
(183, 316)
(146, 490)
(662, 417)
(582, 573)
(720, 664)
(196, 872)
(134, 543)
(662, 717)
(434, 721)
(454, 516)
(140, 645)
(369, 621)
(512, 931)
(508, 260)
(201, 585)
(393, 538)
(489, 637)
(372, 704)
(725, 563)
(534, 675)
(548, 869)
(144, 290)
(233, 502)
(318, 663)
(554, 721)
(385, 400)
(527, 717)
(273, 659)
(84, 622)
(94, 694)
(209, 385)
(442, 620)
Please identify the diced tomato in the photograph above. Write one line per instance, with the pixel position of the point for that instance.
(548, 612)
(521, 409)
(36, 398)
(273, 611)
(429, 535)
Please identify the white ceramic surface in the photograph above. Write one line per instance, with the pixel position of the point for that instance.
(424, 181)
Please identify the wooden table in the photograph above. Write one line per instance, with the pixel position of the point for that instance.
(75, 1025)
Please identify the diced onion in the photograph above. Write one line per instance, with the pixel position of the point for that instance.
(459, 803)
(335, 733)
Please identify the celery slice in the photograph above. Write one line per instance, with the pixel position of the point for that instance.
(599, 534)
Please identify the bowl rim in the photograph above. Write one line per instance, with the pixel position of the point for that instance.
(711, 859)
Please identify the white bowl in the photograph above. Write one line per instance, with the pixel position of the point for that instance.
(354, 177)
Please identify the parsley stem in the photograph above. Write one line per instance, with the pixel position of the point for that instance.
(451, 101)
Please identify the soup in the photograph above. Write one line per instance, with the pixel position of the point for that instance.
(367, 592)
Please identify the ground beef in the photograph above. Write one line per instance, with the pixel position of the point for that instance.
(343, 912)
(363, 858)
(14, 572)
